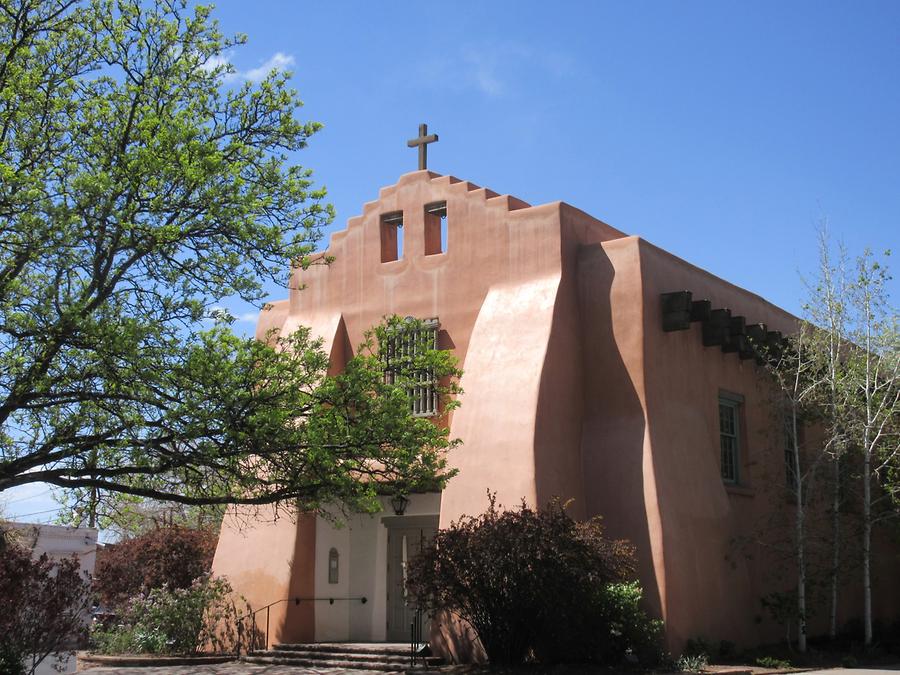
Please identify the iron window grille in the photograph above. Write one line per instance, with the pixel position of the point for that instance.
(400, 351)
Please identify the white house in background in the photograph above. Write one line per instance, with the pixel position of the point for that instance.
(61, 541)
(58, 542)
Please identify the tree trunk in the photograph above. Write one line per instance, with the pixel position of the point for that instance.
(801, 552)
(868, 452)
(867, 545)
(835, 547)
(92, 508)
(94, 499)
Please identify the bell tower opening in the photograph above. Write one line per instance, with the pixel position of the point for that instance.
(391, 236)
(435, 228)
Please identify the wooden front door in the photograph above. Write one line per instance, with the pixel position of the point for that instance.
(406, 536)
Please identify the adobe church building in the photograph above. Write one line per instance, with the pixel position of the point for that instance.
(588, 374)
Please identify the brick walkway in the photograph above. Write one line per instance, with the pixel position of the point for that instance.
(252, 669)
(227, 669)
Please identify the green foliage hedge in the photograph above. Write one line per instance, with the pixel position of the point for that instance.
(205, 616)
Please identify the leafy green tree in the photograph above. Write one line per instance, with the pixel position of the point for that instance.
(872, 380)
(125, 516)
(136, 192)
(827, 306)
(839, 375)
(853, 361)
(795, 383)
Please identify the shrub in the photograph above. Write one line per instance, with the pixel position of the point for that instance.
(629, 631)
(772, 662)
(177, 621)
(727, 650)
(692, 663)
(697, 646)
(849, 661)
(44, 605)
(174, 556)
(12, 661)
(533, 585)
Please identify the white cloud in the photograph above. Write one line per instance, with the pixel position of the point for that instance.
(217, 61)
(493, 69)
(279, 61)
(223, 314)
(482, 72)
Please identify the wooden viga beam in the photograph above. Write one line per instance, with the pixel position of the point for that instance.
(736, 340)
(719, 327)
(679, 310)
(756, 334)
(676, 310)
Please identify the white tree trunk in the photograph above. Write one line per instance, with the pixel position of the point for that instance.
(836, 546)
(867, 545)
(868, 452)
(800, 534)
(801, 539)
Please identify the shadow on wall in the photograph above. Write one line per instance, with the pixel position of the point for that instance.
(455, 639)
(300, 620)
(558, 416)
(613, 426)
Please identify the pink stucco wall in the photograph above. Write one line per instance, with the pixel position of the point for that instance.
(572, 389)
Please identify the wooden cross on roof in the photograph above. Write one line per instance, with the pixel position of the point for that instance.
(422, 141)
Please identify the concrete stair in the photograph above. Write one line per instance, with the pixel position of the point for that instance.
(386, 657)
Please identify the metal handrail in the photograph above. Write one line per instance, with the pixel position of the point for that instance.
(296, 600)
(415, 636)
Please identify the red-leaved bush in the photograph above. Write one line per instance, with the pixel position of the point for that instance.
(172, 556)
(535, 585)
(44, 605)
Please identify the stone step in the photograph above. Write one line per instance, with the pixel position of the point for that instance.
(387, 648)
(327, 663)
(361, 657)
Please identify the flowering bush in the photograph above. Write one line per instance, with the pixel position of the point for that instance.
(205, 616)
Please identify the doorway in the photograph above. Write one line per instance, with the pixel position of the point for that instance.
(406, 537)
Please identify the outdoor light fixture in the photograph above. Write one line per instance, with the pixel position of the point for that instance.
(399, 502)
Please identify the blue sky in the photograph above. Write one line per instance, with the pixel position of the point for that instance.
(720, 131)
